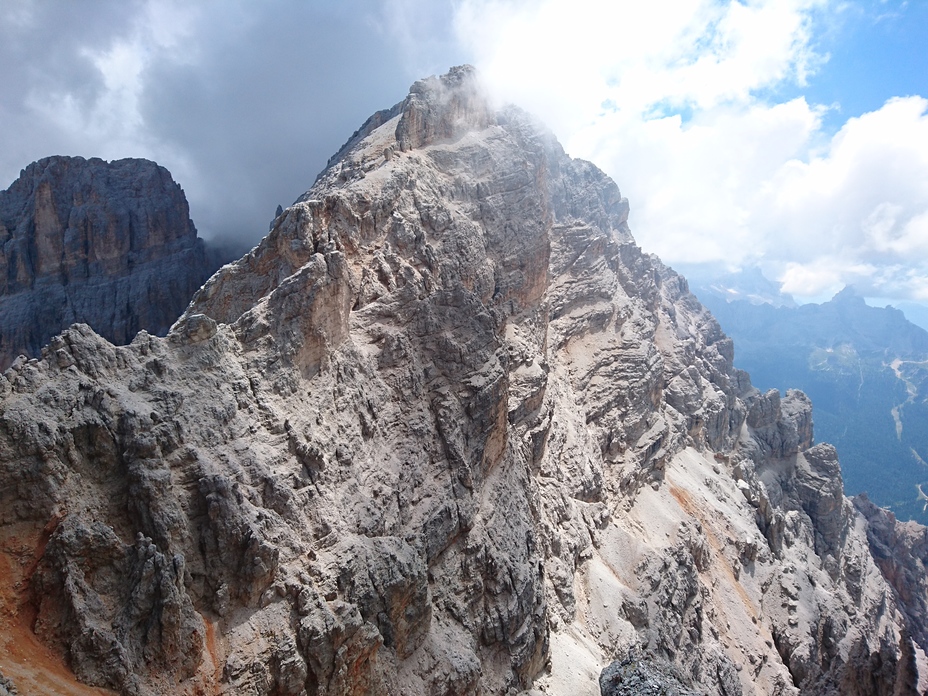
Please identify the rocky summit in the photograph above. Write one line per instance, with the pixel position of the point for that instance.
(445, 430)
(109, 244)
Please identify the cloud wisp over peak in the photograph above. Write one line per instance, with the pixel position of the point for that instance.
(702, 112)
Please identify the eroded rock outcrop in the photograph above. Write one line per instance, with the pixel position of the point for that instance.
(633, 676)
(901, 552)
(109, 244)
(446, 430)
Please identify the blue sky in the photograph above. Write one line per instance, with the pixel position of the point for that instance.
(876, 50)
(789, 134)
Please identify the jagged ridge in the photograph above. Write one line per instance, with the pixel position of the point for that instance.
(446, 430)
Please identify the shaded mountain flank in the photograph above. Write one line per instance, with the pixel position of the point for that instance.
(445, 430)
(109, 244)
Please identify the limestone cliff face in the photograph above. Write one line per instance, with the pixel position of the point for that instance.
(109, 244)
(446, 430)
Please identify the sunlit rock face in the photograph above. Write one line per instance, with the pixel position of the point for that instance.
(109, 244)
(446, 430)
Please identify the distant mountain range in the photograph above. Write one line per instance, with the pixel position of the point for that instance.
(748, 285)
(865, 369)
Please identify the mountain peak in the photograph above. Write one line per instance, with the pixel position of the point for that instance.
(749, 284)
(437, 108)
(109, 244)
(848, 295)
(442, 108)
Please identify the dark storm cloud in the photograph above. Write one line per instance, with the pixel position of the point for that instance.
(272, 96)
(42, 54)
(244, 104)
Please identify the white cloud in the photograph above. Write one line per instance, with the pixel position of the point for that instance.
(694, 187)
(565, 58)
(861, 200)
(614, 79)
(668, 99)
(819, 281)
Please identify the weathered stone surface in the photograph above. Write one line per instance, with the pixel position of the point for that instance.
(818, 486)
(446, 430)
(901, 552)
(7, 687)
(109, 244)
(636, 677)
(781, 428)
(120, 612)
(442, 108)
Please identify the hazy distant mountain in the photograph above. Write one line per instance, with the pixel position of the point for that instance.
(866, 371)
(915, 313)
(749, 284)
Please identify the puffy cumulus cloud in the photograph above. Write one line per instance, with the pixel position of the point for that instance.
(676, 102)
(567, 59)
(855, 212)
(694, 186)
(661, 96)
(821, 280)
(764, 184)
